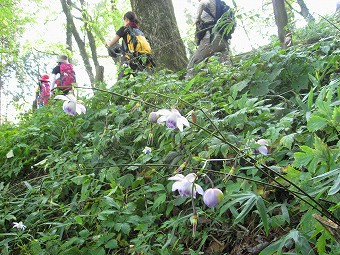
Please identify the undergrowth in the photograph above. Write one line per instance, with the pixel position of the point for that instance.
(82, 185)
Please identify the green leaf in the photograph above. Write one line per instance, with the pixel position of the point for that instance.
(122, 227)
(277, 221)
(335, 188)
(78, 219)
(321, 244)
(103, 215)
(126, 180)
(263, 213)
(111, 202)
(238, 87)
(304, 158)
(159, 200)
(287, 140)
(271, 249)
(249, 200)
(310, 99)
(71, 251)
(313, 80)
(316, 123)
(79, 179)
(336, 117)
(112, 244)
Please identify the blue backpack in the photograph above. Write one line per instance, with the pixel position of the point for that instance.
(225, 22)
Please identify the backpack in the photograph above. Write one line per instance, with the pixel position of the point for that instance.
(137, 49)
(136, 41)
(224, 20)
(67, 76)
(45, 91)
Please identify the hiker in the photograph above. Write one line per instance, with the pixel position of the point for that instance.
(67, 76)
(135, 49)
(43, 91)
(209, 41)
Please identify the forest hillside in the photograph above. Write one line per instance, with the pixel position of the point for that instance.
(260, 137)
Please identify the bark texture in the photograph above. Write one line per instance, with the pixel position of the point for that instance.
(159, 24)
(281, 18)
(81, 44)
(305, 11)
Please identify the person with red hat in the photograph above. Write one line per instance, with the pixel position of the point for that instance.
(43, 92)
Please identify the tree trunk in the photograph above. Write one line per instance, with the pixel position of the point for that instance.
(69, 30)
(80, 43)
(281, 19)
(158, 22)
(99, 74)
(87, 24)
(305, 12)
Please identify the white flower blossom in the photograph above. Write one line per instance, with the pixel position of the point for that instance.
(71, 106)
(19, 225)
(172, 119)
(147, 150)
(184, 185)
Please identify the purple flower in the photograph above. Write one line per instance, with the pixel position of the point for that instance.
(212, 197)
(263, 146)
(185, 185)
(172, 119)
(153, 116)
(71, 106)
(147, 150)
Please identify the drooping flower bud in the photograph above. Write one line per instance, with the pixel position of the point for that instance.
(193, 117)
(194, 221)
(153, 116)
(212, 197)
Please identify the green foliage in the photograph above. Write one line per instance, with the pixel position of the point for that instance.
(82, 185)
(12, 19)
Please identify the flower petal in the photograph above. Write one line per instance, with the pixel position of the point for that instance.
(71, 98)
(163, 112)
(176, 185)
(70, 108)
(263, 150)
(180, 125)
(177, 177)
(199, 189)
(147, 150)
(262, 142)
(191, 177)
(80, 109)
(185, 189)
(184, 121)
(62, 97)
(161, 119)
(171, 121)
